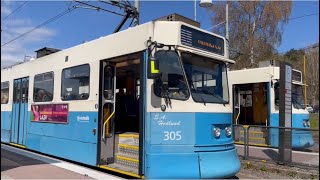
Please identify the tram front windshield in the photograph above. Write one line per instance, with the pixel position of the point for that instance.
(297, 96)
(207, 79)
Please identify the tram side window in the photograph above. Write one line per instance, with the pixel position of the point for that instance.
(43, 87)
(172, 82)
(5, 92)
(75, 83)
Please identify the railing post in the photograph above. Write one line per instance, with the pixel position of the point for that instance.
(247, 141)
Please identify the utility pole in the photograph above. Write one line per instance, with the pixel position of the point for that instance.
(305, 80)
(227, 29)
(137, 6)
(195, 10)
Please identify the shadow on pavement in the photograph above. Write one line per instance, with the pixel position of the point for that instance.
(272, 154)
(233, 177)
(10, 160)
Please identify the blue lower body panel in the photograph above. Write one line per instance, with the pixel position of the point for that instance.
(219, 164)
(73, 150)
(195, 165)
(173, 166)
(5, 126)
(300, 139)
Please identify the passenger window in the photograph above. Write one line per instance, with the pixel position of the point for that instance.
(43, 87)
(75, 83)
(16, 92)
(108, 82)
(5, 92)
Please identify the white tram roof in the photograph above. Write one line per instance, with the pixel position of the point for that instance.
(255, 75)
(122, 43)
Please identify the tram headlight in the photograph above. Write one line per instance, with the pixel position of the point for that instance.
(308, 123)
(216, 132)
(228, 131)
(304, 123)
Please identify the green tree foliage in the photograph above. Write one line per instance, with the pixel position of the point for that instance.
(295, 58)
(294, 55)
(305, 60)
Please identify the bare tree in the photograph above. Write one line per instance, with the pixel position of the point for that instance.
(255, 28)
(312, 73)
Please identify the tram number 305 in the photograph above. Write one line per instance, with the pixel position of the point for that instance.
(172, 135)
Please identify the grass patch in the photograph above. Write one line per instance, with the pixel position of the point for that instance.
(248, 165)
(277, 171)
(314, 120)
(314, 176)
(263, 168)
(292, 174)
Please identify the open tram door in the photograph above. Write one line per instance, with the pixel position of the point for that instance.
(107, 112)
(236, 104)
(120, 114)
(250, 109)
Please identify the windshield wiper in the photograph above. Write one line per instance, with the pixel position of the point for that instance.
(204, 102)
(193, 88)
(216, 96)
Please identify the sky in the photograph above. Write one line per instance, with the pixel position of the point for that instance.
(83, 25)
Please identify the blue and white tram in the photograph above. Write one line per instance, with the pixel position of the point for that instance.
(256, 102)
(150, 102)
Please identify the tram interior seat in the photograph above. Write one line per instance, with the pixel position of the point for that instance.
(127, 113)
(127, 105)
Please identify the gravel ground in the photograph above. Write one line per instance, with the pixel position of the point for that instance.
(262, 170)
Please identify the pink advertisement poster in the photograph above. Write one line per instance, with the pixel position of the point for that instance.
(57, 113)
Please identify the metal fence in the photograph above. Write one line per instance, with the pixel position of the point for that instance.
(262, 142)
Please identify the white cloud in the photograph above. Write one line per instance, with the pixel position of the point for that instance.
(5, 11)
(18, 22)
(15, 51)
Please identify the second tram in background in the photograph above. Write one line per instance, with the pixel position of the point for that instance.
(256, 102)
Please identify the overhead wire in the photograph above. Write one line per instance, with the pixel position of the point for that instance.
(99, 8)
(40, 25)
(14, 11)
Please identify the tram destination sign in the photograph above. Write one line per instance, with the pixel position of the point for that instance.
(200, 40)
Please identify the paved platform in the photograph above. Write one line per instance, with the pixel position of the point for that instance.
(272, 154)
(20, 164)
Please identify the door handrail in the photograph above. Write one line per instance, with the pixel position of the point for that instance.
(104, 125)
(238, 116)
(239, 98)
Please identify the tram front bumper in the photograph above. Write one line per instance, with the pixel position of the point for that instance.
(302, 139)
(220, 164)
(196, 165)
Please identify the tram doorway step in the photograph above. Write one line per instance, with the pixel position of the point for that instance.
(126, 153)
(257, 136)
